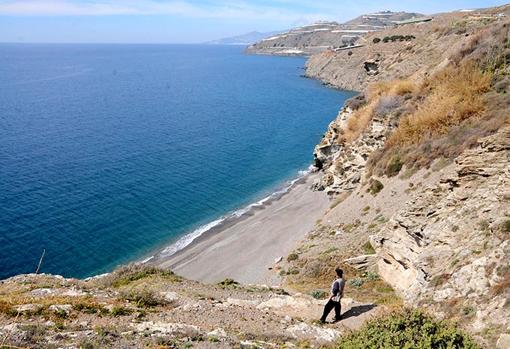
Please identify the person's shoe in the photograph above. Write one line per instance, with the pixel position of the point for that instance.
(337, 320)
(322, 321)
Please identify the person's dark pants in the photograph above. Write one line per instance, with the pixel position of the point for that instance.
(327, 309)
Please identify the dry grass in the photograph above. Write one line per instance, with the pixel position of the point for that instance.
(452, 111)
(315, 273)
(87, 304)
(456, 94)
(358, 122)
(377, 94)
(502, 286)
(390, 88)
(133, 272)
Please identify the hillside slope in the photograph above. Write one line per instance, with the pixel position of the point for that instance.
(410, 51)
(321, 36)
(145, 307)
(418, 165)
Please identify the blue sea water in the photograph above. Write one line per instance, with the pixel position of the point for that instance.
(109, 152)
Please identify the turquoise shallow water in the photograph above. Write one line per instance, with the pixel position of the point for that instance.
(108, 152)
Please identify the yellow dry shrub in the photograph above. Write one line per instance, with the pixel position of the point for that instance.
(402, 87)
(361, 118)
(358, 122)
(390, 88)
(453, 95)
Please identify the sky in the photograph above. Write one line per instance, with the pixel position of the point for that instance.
(185, 21)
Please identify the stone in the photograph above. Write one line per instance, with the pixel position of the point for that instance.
(43, 292)
(503, 341)
(27, 308)
(171, 329)
(169, 296)
(252, 345)
(436, 248)
(59, 308)
(362, 262)
(319, 334)
(219, 333)
(74, 293)
(242, 302)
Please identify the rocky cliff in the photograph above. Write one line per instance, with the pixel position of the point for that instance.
(428, 136)
(448, 249)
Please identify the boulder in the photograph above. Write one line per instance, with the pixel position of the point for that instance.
(503, 341)
(318, 334)
(171, 329)
(363, 262)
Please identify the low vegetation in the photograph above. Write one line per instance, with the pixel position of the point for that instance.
(143, 298)
(127, 274)
(452, 96)
(382, 98)
(375, 186)
(395, 38)
(449, 111)
(407, 329)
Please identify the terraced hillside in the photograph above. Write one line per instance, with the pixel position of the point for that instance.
(328, 35)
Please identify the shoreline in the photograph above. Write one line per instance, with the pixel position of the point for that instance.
(271, 227)
(227, 220)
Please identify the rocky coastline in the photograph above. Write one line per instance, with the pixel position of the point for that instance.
(411, 199)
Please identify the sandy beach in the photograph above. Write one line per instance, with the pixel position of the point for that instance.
(247, 249)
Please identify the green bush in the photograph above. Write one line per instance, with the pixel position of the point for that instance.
(292, 257)
(407, 329)
(356, 282)
(143, 298)
(367, 248)
(318, 294)
(89, 307)
(375, 187)
(371, 276)
(293, 271)
(133, 272)
(376, 40)
(506, 226)
(120, 311)
(394, 166)
(228, 283)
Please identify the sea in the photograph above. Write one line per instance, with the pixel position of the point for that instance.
(111, 153)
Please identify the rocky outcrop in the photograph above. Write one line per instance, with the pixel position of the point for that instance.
(449, 248)
(146, 307)
(364, 262)
(344, 163)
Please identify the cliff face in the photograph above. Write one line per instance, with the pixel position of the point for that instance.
(446, 243)
(448, 249)
(345, 164)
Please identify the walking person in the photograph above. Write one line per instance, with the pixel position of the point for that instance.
(337, 292)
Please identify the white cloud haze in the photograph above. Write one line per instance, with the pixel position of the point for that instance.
(227, 10)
